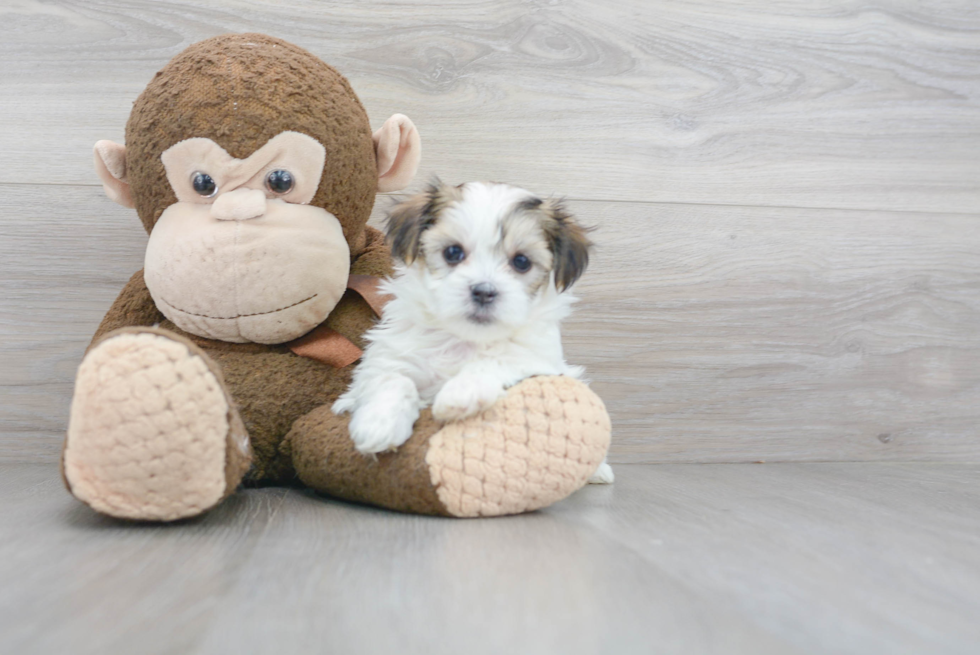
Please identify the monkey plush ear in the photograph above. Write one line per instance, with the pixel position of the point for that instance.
(110, 164)
(398, 149)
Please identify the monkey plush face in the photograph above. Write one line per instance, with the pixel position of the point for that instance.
(252, 165)
(241, 255)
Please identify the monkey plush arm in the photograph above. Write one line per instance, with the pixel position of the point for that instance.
(133, 308)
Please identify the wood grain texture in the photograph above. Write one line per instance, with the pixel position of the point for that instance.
(732, 559)
(719, 324)
(744, 334)
(885, 558)
(847, 104)
(712, 334)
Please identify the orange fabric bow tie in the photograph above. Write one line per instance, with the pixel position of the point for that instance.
(331, 347)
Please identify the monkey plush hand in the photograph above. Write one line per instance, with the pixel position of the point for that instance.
(253, 168)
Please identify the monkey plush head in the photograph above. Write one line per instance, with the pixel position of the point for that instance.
(252, 165)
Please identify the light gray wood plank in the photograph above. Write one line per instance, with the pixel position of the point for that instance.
(885, 558)
(785, 558)
(744, 334)
(65, 253)
(713, 334)
(288, 571)
(78, 582)
(523, 584)
(819, 104)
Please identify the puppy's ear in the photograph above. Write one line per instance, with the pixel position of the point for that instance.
(568, 241)
(406, 222)
(409, 219)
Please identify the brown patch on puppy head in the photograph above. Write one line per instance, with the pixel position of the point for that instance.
(529, 205)
(240, 90)
(409, 219)
(523, 231)
(568, 241)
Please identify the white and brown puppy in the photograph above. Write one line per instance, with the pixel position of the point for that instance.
(478, 298)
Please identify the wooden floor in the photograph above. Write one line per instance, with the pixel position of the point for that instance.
(676, 558)
(787, 203)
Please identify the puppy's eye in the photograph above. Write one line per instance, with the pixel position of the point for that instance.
(521, 263)
(279, 181)
(204, 184)
(454, 254)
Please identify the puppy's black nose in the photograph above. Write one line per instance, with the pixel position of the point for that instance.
(483, 293)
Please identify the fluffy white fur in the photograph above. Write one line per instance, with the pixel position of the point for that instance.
(437, 345)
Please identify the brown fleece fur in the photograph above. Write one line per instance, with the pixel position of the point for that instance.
(240, 90)
(325, 459)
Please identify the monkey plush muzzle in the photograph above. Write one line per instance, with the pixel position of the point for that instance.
(241, 256)
(266, 278)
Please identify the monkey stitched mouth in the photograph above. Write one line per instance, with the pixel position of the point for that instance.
(230, 318)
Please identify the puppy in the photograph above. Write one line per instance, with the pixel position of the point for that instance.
(478, 298)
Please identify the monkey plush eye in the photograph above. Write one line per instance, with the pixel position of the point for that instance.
(279, 181)
(521, 263)
(204, 184)
(454, 254)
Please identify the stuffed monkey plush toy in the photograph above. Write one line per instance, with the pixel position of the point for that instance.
(252, 165)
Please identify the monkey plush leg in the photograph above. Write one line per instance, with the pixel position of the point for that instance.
(535, 446)
(152, 433)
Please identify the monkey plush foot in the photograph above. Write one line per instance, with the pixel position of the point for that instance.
(152, 433)
(538, 444)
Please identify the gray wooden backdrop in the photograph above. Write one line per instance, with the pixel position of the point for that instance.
(787, 197)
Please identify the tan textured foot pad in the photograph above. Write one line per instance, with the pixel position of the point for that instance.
(149, 430)
(537, 445)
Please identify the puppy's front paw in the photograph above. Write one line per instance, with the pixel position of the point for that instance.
(377, 431)
(461, 398)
